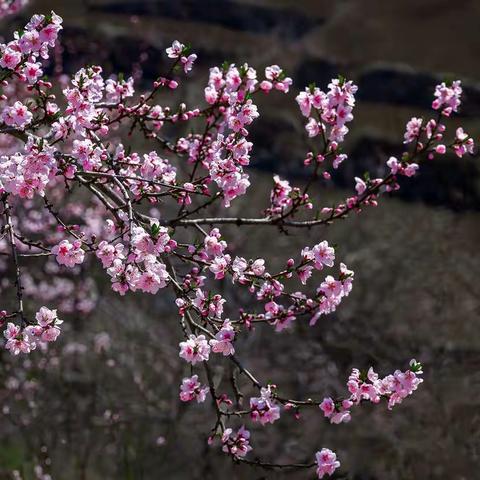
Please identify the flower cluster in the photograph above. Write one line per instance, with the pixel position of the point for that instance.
(25, 340)
(21, 54)
(236, 443)
(180, 51)
(28, 173)
(222, 343)
(327, 462)
(195, 349)
(139, 214)
(447, 97)
(230, 153)
(332, 110)
(281, 196)
(17, 115)
(264, 408)
(68, 253)
(192, 389)
(395, 388)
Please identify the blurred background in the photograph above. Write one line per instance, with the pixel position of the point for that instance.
(104, 402)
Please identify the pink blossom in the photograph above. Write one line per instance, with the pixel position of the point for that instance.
(321, 254)
(463, 143)
(239, 267)
(153, 278)
(175, 50)
(258, 267)
(29, 42)
(10, 58)
(17, 342)
(447, 97)
(327, 462)
(410, 169)
(32, 71)
(263, 408)
(48, 328)
(266, 86)
(304, 273)
(222, 343)
(304, 102)
(394, 165)
(195, 349)
(69, 254)
(331, 287)
(312, 127)
(236, 444)
(328, 407)
(219, 266)
(280, 196)
(116, 90)
(192, 389)
(413, 129)
(209, 305)
(360, 185)
(188, 62)
(28, 172)
(395, 387)
(18, 115)
(107, 253)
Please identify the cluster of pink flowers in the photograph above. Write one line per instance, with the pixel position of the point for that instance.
(242, 268)
(327, 462)
(320, 255)
(27, 173)
(395, 388)
(209, 306)
(332, 111)
(86, 90)
(107, 253)
(223, 341)
(141, 269)
(195, 349)
(336, 413)
(69, 253)
(463, 143)
(124, 219)
(25, 340)
(17, 115)
(281, 196)
(413, 129)
(18, 341)
(21, 54)
(236, 443)
(332, 291)
(398, 168)
(192, 389)
(180, 51)
(275, 78)
(116, 90)
(447, 97)
(264, 408)
(230, 153)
